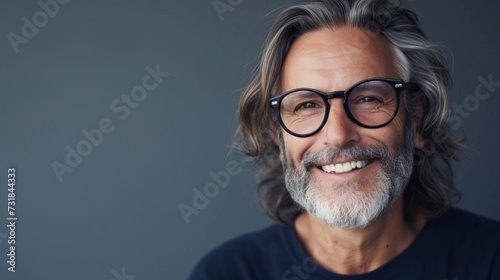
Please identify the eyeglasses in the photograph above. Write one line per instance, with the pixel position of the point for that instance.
(370, 103)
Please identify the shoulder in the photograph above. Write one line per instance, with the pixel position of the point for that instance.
(471, 243)
(240, 256)
(462, 227)
(464, 222)
(254, 243)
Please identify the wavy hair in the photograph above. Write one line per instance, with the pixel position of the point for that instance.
(431, 187)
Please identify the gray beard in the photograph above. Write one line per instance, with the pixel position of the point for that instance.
(347, 205)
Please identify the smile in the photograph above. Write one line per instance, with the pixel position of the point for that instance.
(344, 167)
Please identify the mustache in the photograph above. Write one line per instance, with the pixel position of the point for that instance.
(331, 154)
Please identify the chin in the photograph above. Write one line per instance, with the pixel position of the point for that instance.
(349, 206)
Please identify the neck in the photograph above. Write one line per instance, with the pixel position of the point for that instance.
(360, 250)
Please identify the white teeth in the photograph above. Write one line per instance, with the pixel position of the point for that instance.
(332, 168)
(344, 167)
(347, 166)
(339, 168)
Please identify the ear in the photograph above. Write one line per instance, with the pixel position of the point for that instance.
(418, 140)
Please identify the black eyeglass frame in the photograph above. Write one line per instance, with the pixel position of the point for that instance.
(397, 85)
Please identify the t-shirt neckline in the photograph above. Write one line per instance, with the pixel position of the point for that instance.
(388, 270)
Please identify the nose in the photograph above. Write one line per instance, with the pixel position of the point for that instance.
(339, 130)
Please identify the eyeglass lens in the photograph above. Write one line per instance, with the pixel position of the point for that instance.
(371, 103)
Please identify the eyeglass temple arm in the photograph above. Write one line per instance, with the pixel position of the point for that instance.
(412, 87)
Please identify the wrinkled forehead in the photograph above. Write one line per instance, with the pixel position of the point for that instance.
(333, 59)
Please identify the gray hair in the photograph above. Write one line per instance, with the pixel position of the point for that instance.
(431, 185)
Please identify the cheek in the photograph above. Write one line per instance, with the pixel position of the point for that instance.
(395, 138)
(398, 125)
(399, 121)
(396, 128)
(391, 135)
(295, 147)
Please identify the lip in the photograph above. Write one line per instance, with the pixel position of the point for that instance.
(343, 160)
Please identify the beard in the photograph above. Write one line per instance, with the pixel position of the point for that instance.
(356, 203)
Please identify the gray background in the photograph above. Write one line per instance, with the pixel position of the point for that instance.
(116, 213)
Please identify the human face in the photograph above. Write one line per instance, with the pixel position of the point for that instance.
(376, 163)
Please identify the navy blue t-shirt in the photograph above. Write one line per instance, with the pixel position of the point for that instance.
(457, 246)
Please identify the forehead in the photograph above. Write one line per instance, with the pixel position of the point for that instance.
(334, 59)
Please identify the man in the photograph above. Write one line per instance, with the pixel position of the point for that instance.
(338, 114)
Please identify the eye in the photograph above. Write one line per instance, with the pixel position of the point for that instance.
(307, 105)
(368, 99)
(302, 103)
(308, 108)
